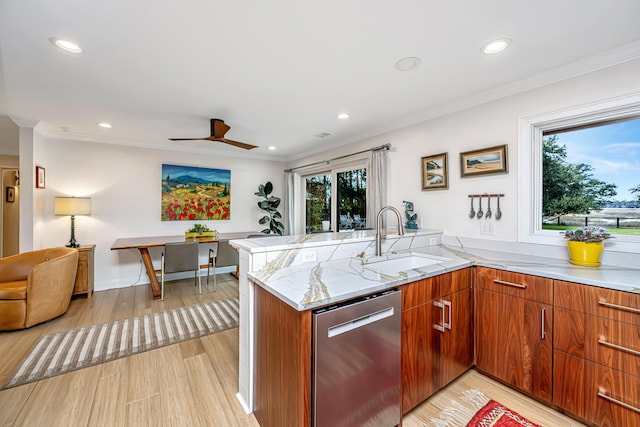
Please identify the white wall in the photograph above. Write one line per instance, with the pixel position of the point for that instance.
(124, 184)
(486, 125)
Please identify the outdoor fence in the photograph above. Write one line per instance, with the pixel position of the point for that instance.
(597, 220)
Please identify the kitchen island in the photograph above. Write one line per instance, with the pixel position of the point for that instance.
(295, 286)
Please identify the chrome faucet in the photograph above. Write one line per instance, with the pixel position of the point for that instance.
(379, 223)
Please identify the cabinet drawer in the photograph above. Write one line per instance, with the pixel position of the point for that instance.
(612, 304)
(613, 398)
(456, 281)
(419, 292)
(569, 295)
(521, 285)
(613, 344)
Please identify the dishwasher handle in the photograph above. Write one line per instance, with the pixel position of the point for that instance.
(359, 322)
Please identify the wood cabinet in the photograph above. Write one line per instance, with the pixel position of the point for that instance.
(597, 354)
(437, 337)
(513, 329)
(84, 273)
(283, 363)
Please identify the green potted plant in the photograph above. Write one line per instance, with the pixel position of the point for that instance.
(199, 230)
(270, 206)
(586, 245)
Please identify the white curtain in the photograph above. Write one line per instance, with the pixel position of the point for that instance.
(376, 182)
(289, 191)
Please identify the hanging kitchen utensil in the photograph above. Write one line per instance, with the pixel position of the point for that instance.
(487, 214)
(498, 211)
(472, 212)
(480, 213)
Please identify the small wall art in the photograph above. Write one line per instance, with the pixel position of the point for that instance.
(11, 194)
(193, 194)
(435, 172)
(40, 177)
(487, 161)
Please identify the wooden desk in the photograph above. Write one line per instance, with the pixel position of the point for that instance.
(144, 243)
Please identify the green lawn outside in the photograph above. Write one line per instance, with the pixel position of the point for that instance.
(628, 231)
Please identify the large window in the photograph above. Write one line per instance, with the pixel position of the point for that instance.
(592, 171)
(336, 200)
(591, 176)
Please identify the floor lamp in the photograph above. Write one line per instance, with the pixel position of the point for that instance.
(72, 206)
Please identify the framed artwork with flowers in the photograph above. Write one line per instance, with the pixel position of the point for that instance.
(191, 193)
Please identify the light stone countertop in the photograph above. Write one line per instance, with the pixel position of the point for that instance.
(316, 284)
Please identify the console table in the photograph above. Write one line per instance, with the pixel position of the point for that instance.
(144, 243)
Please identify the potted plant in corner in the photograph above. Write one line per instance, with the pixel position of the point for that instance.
(586, 244)
(270, 206)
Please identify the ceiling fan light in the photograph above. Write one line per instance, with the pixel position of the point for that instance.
(271, 147)
(343, 116)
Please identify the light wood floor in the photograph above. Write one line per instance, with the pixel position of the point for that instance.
(188, 384)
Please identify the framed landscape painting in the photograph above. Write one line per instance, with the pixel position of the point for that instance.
(487, 161)
(435, 172)
(194, 194)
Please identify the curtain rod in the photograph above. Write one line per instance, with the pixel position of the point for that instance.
(378, 148)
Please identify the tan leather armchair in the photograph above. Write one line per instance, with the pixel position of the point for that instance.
(36, 286)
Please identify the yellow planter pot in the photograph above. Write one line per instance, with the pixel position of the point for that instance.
(585, 253)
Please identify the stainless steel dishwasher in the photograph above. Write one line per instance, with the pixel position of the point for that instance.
(356, 362)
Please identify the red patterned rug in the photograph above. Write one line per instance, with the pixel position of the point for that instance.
(493, 414)
(474, 409)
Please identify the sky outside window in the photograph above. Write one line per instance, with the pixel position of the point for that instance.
(612, 150)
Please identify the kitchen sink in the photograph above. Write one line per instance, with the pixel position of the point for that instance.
(395, 264)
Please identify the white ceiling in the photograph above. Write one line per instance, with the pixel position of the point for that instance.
(279, 71)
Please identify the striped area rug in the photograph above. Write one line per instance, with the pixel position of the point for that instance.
(62, 352)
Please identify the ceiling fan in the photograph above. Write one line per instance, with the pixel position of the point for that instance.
(218, 130)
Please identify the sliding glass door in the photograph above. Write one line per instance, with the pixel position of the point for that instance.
(336, 200)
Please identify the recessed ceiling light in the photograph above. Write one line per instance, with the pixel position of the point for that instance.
(343, 116)
(65, 45)
(271, 147)
(105, 125)
(495, 46)
(409, 63)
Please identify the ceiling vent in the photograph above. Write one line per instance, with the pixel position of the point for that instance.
(323, 135)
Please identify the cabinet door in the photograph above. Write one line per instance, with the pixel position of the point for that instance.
(498, 336)
(456, 343)
(81, 285)
(419, 354)
(537, 350)
(514, 341)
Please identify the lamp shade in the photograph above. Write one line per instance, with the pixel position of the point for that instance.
(72, 206)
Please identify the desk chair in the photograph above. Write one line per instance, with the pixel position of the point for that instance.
(213, 254)
(179, 257)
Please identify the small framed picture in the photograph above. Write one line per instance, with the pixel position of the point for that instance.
(435, 172)
(40, 177)
(487, 161)
(11, 194)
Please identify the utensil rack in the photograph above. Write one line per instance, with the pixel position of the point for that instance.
(486, 195)
(479, 214)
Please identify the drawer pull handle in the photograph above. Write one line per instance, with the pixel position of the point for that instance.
(441, 326)
(544, 334)
(619, 307)
(515, 285)
(617, 402)
(618, 347)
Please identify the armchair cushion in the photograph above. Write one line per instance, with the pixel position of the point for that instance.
(36, 286)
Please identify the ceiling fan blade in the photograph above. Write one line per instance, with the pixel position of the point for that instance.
(237, 143)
